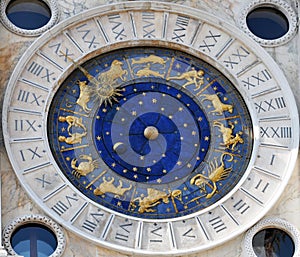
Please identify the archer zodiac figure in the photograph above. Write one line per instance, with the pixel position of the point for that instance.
(229, 141)
(217, 104)
(72, 121)
(216, 173)
(191, 76)
(84, 167)
(108, 187)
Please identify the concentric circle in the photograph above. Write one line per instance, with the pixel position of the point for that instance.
(169, 137)
(152, 128)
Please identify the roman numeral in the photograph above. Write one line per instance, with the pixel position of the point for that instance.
(30, 154)
(156, 233)
(209, 41)
(58, 50)
(29, 97)
(241, 206)
(123, 232)
(118, 28)
(26, 125)
(148, 24)
(41, 71)
(257, 80)
(87, 36)
(189, 233)
(271, 104)
(276, 132)
(180, 28)
(262, 186)
(236, 58)
(217, 224)
(60, 207)
(43, 181)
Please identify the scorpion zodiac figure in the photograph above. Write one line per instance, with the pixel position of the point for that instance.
(216, 173)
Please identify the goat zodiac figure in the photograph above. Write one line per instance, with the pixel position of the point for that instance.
(216, 173)
(228, 138)
(217, 104)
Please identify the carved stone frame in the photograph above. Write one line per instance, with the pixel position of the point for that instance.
(271, 222)
(34, 219)
(280, 5)
(52, 4)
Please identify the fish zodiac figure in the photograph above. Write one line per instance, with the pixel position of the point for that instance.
(109, 187)
(228, 138)
(84, 167)
(150, 59)
(191, 76)
(216, 173)
(153, 198)
(146, 72)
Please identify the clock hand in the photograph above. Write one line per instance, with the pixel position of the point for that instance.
(90, 77)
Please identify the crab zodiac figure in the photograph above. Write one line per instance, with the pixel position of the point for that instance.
(84, 167)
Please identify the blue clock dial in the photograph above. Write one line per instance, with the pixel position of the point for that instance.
(150, 132)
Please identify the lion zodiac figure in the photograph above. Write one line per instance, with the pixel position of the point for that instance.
(216, 173)
(109, 187)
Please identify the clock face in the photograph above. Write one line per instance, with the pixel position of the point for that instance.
(168, 136)
(149, 128)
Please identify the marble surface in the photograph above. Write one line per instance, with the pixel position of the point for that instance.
(16, 203)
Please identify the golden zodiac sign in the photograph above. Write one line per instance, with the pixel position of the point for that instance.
(75, 138)
(84, 167)
(217, 104)
(150, 59)
(72, 121)
(216, 173)
(103, 87)
(115, 71)
(153, 198)
(228, 138)
(84, 96)
(191, 76)
(146, 72)
(109, 187)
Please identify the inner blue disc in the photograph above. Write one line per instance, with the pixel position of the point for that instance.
(152, 134)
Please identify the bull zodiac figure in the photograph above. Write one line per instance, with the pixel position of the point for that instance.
(108, 187)
(228, 138)
(191, 76)
(153, 198)
(84, 167)
(216, 173)
(217, 104)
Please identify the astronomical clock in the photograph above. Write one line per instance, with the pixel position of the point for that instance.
(150, 128)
